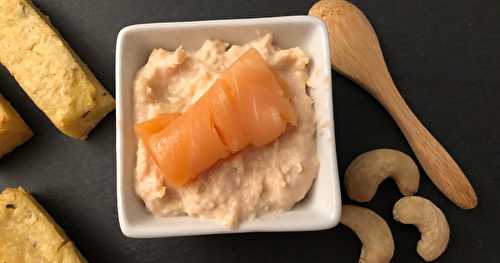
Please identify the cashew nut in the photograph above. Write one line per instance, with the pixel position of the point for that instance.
(372, 230)
(429, 220)
(368, 170)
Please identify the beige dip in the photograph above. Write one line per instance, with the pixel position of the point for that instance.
(251, 183)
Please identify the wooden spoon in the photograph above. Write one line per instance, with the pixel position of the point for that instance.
(356, 53)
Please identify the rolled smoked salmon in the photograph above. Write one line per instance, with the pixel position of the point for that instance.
(246, 106)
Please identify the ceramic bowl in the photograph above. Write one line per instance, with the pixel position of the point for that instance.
(319, 210)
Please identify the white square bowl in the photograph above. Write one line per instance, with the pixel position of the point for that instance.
(322, 206)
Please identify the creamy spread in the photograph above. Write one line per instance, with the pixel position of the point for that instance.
(253, 182)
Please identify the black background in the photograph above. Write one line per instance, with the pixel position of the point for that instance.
(444, 56)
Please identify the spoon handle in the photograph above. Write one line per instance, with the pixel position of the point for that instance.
(356, 54)
(436, 161)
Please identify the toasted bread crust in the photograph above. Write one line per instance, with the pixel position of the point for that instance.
(49, 71)
(29, 234)
(13, 129)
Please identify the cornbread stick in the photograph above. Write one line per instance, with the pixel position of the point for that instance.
(13, 129)
(28, 234)
(49, 71)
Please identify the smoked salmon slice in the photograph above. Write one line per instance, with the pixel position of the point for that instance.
(248, 105)
(155, 125)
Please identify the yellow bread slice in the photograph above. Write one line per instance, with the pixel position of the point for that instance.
(49, 71)
(13, 129)
(28, 234)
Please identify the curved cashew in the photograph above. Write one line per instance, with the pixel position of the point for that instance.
(368, 170)
(372, 230)
(429, 220)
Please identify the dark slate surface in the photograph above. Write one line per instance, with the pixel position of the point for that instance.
(444, 56)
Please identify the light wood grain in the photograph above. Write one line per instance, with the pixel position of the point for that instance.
(356, 54)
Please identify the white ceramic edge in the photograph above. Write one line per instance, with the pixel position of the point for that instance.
(119, 134)
(337, 203)
(126, 228)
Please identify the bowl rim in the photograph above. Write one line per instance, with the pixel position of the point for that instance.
(125, 225)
